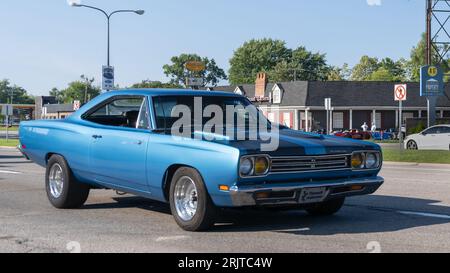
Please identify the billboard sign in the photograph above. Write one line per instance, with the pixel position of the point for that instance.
(431, 81)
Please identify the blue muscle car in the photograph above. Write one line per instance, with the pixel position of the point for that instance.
(125, 140)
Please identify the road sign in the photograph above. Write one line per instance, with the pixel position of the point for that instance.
(431, 81)
(195, 66)
(194, 82)
(7, 110)
(400, 92)
(76, 105)
(108, 77)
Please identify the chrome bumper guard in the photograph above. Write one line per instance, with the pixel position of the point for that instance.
(19, 147)
(242, 195)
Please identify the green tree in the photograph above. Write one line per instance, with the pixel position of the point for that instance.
(257, 56)
(278, 61)
(389, 70)
(177, 72)
(17, 94)
(55, 92)
(418, 59)
(82, 90)
(364, 69)
(155, 84)
(339, 73)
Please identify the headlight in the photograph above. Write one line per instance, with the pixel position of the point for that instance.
(366, 160)
(372, 161)
(261, 165)
(357, 160)
(254, 165)
(246, 167)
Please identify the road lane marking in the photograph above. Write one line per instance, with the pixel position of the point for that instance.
(9, 172)
(404, 212)
(171, 238)
(425, 214)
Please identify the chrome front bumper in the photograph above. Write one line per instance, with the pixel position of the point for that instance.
(246, 195)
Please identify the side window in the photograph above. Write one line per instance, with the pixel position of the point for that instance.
(441, 130)
(431, 131)
(121, 112)
(144, 116)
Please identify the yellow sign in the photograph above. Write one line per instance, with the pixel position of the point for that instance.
(195, 66)
(432, 71)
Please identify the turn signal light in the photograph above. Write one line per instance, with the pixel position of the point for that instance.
(224, 188)
(356, 188)
(262, 195)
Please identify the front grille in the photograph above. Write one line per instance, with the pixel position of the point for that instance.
(309, 163)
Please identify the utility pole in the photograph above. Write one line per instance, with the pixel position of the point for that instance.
(431, 100)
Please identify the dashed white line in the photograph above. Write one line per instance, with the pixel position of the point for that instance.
(441, 216)
(171, 238)
(9, 172)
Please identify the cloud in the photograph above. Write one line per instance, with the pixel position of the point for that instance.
(374, 2)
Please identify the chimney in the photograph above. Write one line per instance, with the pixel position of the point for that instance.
(260, 85)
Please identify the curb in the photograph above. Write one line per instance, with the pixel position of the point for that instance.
(412, 164)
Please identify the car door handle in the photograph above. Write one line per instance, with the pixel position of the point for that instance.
(97, 136)
(139, 142)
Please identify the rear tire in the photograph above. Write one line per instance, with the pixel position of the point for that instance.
(190, 202)
(63, 190)
(326, 208)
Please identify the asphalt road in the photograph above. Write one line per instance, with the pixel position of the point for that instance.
(410, 213)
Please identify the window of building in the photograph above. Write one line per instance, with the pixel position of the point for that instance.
(378, 120)
(407, 115)
(338, 120)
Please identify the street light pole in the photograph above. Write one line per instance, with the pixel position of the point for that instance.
(108, 19)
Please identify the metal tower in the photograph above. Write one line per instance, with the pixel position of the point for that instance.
(438, 34)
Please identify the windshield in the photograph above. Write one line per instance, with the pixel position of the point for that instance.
(215, 112)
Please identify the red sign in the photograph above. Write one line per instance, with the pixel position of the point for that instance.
(400, 92)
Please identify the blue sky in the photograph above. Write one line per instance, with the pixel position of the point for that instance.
(47, 43)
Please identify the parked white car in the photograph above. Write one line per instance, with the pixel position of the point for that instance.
(434, 138)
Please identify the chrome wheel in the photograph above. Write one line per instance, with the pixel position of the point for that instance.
(412, 145)
(56, 180)
(186, 199)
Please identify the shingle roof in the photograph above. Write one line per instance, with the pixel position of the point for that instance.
(343, 93)
(366, 94)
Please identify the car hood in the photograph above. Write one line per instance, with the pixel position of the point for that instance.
(293, 142)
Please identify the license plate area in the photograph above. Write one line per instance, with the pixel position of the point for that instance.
(313, 195)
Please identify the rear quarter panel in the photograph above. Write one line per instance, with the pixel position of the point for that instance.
(71, 140)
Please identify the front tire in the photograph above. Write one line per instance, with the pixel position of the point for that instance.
(411, 145)
(326, 208)
(190, 202)
(63, 190)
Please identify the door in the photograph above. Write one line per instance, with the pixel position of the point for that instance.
(443, 138)
(427, 140)
(118, 151)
